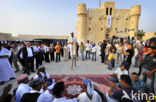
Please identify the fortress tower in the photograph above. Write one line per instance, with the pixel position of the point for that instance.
(135, 13)
(81, 13)
(93, 22)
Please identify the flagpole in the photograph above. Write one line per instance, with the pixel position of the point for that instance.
(99, 3)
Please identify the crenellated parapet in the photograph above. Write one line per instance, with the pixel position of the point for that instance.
(135, 10)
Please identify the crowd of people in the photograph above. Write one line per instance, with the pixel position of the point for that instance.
(42, 88)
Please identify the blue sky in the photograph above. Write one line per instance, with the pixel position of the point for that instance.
(58, 17)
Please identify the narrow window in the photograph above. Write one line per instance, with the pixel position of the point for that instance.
(107, 11)
(89, 29)
(125, 29)
(110, 11)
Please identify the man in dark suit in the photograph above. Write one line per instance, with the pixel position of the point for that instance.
(20, 56)
(28, 55)
(103, 47)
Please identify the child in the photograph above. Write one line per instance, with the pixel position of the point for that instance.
(110, 59)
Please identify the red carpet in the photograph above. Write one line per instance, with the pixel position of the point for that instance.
(74, 83)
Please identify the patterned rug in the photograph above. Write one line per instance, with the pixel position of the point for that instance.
(74, 83)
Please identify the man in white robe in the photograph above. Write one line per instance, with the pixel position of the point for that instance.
(6, 71)
(90, 95)
(42, 73)
(47, 95)
(72, 42)
(23, 87)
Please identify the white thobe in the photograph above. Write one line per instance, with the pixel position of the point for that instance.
(42, 74)
(22, 89)
(63, 99)
(119, 72)
(72, 46)
(45, 97)
(84, 98)
(6, 71)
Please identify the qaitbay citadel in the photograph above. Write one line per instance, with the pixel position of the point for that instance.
(106, 21)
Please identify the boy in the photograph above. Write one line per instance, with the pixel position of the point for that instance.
(110, 59)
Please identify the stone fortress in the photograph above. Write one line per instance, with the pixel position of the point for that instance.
(93, 23)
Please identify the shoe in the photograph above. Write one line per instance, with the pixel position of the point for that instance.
(33, 71)
(12, 78)
(1, 82)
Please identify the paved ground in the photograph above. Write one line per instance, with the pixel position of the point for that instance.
(83, 68)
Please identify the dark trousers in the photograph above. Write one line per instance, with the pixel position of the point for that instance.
(113, 63)
(10, 59)
(69, 57)
(102, 57)
(140, 67)
(77, 53)
(46, 57)
(38, 60)
(62, 52)
(87, 54)
(22, 62)
(29, 62)
(42, 56)
(52, 56)
(57, 57)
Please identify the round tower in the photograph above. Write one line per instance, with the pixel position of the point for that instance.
(81, 25)
(135, 13)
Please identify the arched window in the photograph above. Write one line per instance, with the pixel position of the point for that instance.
(107, 11)
(110, 11)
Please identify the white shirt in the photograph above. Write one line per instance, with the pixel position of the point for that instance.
(46, 49)
(84, 98)
(22, 89)
(63, 99)
(45, 97)
(88, 46)
(36, 49)
(42, 74)
(94, 49)
(118, 72)
(30, 53)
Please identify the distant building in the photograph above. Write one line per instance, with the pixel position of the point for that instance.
(149, 35)
(28, 37)
(104, 22)
(5, 36)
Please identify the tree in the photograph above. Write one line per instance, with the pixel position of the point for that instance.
(139, 34)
